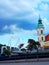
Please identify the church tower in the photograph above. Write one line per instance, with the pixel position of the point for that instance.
(40, 31)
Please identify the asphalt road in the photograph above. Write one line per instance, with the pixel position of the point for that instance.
(30, 63)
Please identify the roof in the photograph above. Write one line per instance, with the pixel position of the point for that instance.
(47, 38)
(40, 26)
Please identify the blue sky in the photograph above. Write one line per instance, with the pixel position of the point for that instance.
(19, 19)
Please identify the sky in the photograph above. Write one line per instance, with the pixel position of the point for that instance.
(19, 19)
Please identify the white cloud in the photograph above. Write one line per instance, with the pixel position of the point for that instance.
(23, 9)
(19, 35)
(15, 29)
(44, 7)
(14, 8)
(9, 39)
(10, 27)
(45, 0)
(5, 27)
(46, 25)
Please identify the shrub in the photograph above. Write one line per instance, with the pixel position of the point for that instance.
(6, 52)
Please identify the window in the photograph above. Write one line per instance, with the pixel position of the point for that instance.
(42, 38)
(41, 31)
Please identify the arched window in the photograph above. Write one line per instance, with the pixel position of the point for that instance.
(42, 38)
(41, 31)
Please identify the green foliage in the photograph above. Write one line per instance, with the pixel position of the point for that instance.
(2, 45)
(21, 45)
(33, 44)
(38, 44)
(6, 52)
(23, 49)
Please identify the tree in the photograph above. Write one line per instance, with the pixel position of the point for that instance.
(23, 49)
(38, 44)
(6, 52)
(1, 45)
(21, 45)
(33, 44)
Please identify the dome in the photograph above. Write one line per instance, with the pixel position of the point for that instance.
(40, 26)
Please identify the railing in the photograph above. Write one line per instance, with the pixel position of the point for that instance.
(25, 56)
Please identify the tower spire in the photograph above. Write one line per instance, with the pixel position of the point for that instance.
(40, 25)
(40, 21)
(39, 16)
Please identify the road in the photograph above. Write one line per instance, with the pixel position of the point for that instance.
(30, 63)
